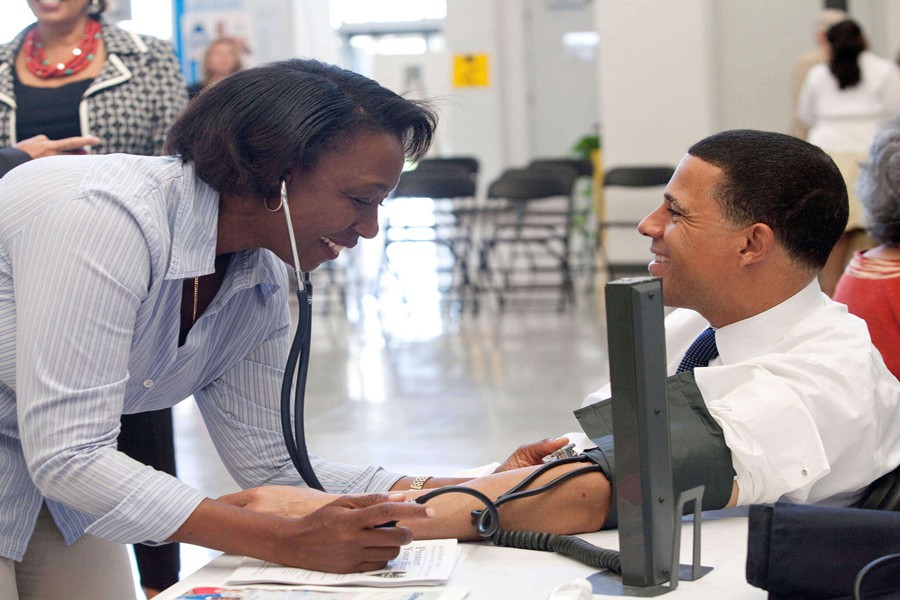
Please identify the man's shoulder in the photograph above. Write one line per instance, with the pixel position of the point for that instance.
(825, 337)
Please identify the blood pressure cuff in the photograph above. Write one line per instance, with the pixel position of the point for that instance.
(799, 552)
(699, 453)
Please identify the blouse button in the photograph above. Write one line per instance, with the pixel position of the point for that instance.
(148, 383)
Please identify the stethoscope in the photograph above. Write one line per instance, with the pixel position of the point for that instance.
(487, 521)
(294, 433)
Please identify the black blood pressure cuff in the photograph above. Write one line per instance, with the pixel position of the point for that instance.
(699, 453)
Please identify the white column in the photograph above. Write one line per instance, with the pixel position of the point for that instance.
(313, 36)
(477, 113)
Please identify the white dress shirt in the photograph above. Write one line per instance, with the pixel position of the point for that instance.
(808, 408)
(93, 254)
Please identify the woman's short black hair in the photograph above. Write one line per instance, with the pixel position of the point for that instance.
(245, 133)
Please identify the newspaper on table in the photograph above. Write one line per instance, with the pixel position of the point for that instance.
(425, 562)
(313, 592)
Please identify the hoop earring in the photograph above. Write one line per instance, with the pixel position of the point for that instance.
(281, 201)
(95, 9)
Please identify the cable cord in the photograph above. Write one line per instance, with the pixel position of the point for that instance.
(487, 521)
(567, 545)
(866, 570)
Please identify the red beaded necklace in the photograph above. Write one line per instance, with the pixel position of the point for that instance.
(82, 55)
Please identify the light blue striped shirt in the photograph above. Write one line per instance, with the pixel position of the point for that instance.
(93, 251)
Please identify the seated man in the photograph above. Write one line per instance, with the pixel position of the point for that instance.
(802, 399)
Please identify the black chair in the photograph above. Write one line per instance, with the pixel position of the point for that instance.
(582, 166)
(584, 235)
(526, 246)
(629, 194)
(451, 186)
(639, 176)
(469, 164)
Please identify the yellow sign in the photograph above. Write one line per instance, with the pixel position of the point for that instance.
(470, 70)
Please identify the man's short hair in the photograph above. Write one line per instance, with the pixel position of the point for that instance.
(245, 133)
(781, 181)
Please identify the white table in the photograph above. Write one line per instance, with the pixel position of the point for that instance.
(492, 573)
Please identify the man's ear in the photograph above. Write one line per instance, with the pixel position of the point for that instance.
(759, 241)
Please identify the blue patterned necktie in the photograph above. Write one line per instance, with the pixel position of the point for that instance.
(701, 351)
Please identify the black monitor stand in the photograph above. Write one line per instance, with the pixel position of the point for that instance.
(649, 510)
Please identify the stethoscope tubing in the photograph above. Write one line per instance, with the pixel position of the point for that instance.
(295, 435)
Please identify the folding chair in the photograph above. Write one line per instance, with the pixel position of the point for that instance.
(584, 240)
(450, 186)
(630, 194)
(527, 241)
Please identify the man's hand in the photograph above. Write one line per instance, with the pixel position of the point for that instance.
(40, 146)
(529, 455)
(280, 500)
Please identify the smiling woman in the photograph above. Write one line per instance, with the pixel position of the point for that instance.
(173, 270)
(73, 75)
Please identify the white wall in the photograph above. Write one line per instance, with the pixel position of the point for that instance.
(670, 71)
(513, 84)
(755, 44)
(539, 102)
(674, 71)
(562, 86)
(311, 31)
(477, 113)
(656, 85)
(393, 72)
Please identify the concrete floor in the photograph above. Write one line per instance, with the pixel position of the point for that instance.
(406, 379)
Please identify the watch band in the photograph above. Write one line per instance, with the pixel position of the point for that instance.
(419, 482)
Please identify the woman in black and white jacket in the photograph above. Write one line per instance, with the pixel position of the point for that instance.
(128, 95)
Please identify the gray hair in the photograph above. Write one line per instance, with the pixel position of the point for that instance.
(878, 186)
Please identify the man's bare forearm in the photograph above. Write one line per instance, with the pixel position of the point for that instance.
(578, 505)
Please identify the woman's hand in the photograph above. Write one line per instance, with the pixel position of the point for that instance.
(280, 500)
(529, 455)
(40, 146)
(346, 535)
(353, 533)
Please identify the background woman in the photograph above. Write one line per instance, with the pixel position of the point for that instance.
(74, 74)
(842, 103)
(870, 286)
(128, 283)
(119, 86)
(221, 59)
